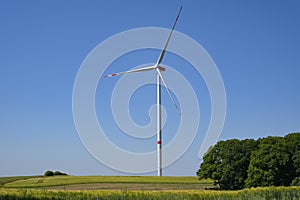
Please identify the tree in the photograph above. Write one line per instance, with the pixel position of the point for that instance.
(227, 163)
(271, 161)
(58, 173)
(270, 164)
(292, 141)
(49, 173)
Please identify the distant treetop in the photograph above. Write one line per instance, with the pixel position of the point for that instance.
(56, 173)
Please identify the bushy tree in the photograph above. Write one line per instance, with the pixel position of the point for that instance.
(227, 163)
(49, 173)
(292, 141)
(271, 161)
(58, 173)
(270, 164)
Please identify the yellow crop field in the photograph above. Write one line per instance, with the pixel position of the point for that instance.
(282, 193)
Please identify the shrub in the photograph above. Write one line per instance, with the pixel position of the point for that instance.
(58, 173)
(49, 173)
(296, 181)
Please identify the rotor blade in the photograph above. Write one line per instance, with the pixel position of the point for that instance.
(131, 71)
(160, 75)
(167, 42)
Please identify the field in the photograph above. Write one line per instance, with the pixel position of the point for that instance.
(4, 180)
(111, 182)
(129, 187)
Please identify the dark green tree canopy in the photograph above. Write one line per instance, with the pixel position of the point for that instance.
(226, 163)
(270, 164)
(49, 173)
(271, 161)
(56, 173)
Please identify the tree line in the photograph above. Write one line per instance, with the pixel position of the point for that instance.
(56, 173)
(236, 164)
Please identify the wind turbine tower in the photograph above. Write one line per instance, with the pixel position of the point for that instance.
(160, 79)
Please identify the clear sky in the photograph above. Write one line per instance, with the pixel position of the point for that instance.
(255, 45)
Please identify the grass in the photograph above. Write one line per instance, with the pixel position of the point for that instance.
(111, 182)
(130, 187)
(4, 180)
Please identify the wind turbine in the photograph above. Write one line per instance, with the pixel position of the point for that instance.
(160, 79)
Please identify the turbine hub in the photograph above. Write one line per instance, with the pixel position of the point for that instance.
(161, 68)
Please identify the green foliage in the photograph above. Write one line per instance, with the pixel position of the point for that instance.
(270, 164)
(49, 173)
(292, 141)
(227, 162)
(271, 161)
(296, 181)
(56, 173)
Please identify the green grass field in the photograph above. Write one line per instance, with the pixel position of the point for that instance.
(110, 182)
(129, 187)
(4, 180)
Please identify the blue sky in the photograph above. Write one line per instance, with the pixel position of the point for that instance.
(255, 45)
